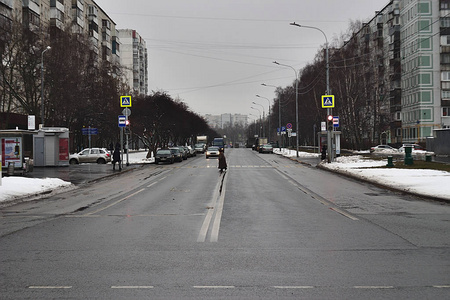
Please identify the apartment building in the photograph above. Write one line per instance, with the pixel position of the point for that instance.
(47, 17)
(425, 35)
(409, 41)
(223, 120)
(134, 60)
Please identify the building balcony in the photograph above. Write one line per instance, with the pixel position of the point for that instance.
(8, 3)
(32, 5)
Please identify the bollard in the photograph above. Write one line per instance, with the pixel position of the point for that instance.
(390, 163)
(408, 156)
(428, 158)
(10, 170)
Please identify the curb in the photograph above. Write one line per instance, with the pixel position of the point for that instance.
(401, 191)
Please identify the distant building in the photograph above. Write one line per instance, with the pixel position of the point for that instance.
(134, 60)
(223, 120)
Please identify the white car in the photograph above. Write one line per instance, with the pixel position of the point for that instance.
(212, 151)
(90, 155)
(383, 148)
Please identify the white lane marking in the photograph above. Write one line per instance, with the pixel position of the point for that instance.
(204, 229)
(373, 287)
(49, 287)
(132, 287)
(218, 218)
(214, 286)
(295, 287)
(442, 286)
(112, 204)
(153, 183)
(344, 213)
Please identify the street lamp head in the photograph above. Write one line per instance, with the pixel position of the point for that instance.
(275, 62)
(295, 24)
(48, 47)
(258, 96)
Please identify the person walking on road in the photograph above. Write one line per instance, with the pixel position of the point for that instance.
(222, 161)
(116, 157)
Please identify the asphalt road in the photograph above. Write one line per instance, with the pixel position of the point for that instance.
(268, 228)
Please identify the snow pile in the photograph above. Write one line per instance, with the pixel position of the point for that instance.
(293, 153)
(18, 187)
(424, 182)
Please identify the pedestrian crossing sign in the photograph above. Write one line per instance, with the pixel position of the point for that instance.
(125, 101)
(328, 101)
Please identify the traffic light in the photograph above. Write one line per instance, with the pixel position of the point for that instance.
(330, 122)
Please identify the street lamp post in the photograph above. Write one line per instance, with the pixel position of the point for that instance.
(268, 115)
(279, 115)
(264, 117)
(296, 100)
(260, 122)
(329, 110)
(42, 85)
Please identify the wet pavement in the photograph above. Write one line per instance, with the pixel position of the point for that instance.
(78, 174)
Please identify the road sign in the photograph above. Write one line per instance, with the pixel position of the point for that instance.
(89, 131)
(283, 128)
(125, 101)
(122, 121)
(328, 101)
(289, 125)
(335, 121)
(323, 126)
(126, 111)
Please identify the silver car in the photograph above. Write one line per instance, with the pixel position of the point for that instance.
(212, 151)
(90, 155)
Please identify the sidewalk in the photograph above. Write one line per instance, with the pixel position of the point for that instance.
(430, 184)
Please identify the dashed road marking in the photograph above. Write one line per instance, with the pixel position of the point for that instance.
(132, 287)
(213, 286)
(49, 287)
(295, 287)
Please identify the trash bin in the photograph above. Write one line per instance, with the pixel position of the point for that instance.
(390, 163)
(408, 156)
(428, 158)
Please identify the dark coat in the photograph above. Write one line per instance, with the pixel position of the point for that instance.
(222, 161)
(116, 155)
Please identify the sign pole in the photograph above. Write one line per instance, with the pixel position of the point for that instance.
(121, 148)
(126, 138)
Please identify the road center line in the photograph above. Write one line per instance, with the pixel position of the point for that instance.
(218, 217)
(114, 203)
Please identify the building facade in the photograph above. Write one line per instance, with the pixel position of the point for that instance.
(134, 60)
(224, 120)
(408, 42)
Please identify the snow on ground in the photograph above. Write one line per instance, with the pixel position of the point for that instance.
(426, 182)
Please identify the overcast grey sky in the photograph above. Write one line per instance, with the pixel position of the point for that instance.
(215, 54)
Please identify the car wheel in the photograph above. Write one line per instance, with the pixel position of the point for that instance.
(73, 161)
(101, 161)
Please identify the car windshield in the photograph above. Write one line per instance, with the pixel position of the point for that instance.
(213, 149)
(163, 152)
(175, 150)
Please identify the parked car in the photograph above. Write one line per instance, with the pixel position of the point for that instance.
(164, 155)
(200, 148)
(266, 148)
(415, 147)
(212, 151)
(90, 155)
(383, 148)
(184, 151)
(177, 154)
(192, 152)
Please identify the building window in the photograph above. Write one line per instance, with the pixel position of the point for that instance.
(446, 111)
(445, 76)
(446, 94)
(445, 22)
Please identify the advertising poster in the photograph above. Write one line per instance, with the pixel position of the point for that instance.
(12, 151)
(63, 149)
